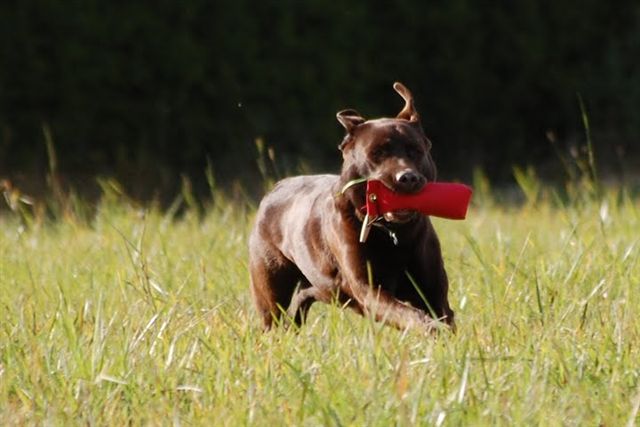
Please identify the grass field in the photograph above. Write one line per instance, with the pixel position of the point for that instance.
(137, 317)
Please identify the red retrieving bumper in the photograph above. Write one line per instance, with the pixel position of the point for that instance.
(441, 199)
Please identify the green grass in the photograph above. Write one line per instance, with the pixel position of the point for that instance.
(137, 318)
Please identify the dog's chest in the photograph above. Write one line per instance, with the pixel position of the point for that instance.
(387, 263)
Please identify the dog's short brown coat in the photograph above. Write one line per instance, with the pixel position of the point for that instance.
(304, 246)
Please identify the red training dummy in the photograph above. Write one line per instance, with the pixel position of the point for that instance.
(441, 199)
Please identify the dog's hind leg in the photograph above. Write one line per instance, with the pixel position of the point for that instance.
(301, 302)
(273, 282)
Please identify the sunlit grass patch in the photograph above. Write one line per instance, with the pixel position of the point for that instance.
(142, 316)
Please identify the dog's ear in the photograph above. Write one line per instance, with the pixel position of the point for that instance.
(409, 111)
(349, 119)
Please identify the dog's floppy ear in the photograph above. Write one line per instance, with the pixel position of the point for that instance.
(409, 111)
(349, 119)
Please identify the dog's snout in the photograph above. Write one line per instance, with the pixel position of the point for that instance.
(409, 180)
(407, 177)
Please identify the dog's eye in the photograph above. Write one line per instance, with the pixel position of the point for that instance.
(379, 151)
(414, 152)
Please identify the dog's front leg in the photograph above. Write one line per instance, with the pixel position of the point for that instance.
(370, 299)
(429, 277)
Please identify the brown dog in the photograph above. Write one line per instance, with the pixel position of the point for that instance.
(304, 246)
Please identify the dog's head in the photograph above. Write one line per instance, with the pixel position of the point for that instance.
(392, 150)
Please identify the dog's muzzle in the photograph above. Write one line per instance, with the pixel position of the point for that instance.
(409, 181)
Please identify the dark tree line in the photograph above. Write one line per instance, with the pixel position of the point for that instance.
(148, 92)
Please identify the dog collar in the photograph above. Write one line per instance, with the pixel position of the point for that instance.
(369, 210)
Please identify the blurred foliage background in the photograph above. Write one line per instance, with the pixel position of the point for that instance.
(146, 93)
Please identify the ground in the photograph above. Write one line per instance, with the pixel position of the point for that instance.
(137, 316)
